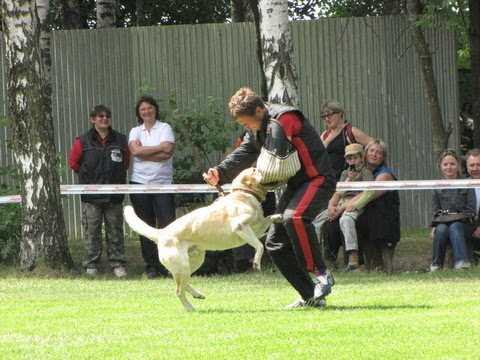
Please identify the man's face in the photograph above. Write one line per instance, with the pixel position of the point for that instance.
(101, 121)
(473, 166)
(252, 122)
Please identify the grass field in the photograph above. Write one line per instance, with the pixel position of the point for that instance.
(409, 315)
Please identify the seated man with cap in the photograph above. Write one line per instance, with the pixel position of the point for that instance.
(348, 205)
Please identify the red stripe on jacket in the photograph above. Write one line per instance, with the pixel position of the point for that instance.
(299, 224)
(292, 126)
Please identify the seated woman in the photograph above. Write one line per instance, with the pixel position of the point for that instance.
(379, 226)
(452, 209)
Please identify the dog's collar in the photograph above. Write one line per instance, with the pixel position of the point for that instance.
(251, 193)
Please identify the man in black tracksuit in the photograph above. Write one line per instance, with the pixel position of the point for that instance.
(293, 244)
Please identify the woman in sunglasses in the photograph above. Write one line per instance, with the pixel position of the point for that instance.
(337, 134)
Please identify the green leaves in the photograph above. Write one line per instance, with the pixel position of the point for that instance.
(10, 225)
(203, 133)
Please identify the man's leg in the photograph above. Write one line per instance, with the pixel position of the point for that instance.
(305, 204)
(114, 235)
(92, 218)
(280, 249)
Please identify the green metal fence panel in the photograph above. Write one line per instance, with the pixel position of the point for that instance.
(367, 64)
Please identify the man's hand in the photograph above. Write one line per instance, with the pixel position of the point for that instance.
(211, 177)
(432, 232)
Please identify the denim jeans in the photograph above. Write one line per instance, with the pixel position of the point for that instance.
(453, 233)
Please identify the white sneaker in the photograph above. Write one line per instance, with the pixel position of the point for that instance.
(311, 303)
(461, 265)
(323, 285)
(434, 268)
(119, 271)
(91, 271)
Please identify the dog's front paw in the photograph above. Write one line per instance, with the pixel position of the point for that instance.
(276, 218)
(257, 266)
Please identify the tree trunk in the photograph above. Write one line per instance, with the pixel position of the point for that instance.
(106, 13)
(72, 18)
(474, 38)
(393, 7)
(29, 111)
(440, 135)
(140, 12)
(277, 50)
(242, 11)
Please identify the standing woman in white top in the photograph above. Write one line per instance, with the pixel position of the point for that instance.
(152, 144)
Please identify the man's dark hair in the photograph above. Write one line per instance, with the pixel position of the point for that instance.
(244, 102)
(149, 100)
(99, 109)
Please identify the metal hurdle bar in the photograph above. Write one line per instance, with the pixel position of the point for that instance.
(204, 188)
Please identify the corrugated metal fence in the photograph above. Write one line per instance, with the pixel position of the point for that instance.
(368, 64)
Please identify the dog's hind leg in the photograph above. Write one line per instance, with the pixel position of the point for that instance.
(182, 284)
(248, 235)
(196, 258)
(177, 262)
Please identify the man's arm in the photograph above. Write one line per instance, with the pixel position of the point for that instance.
(75, 155)
(238, 160)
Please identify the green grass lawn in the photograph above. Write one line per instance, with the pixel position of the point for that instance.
(409, 315)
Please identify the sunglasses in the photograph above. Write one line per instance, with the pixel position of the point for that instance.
(324, 116)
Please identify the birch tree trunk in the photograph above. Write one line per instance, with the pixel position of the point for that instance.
(440, 134)
(106, 13)
(474, 38)
(29, 112)
(277, 50)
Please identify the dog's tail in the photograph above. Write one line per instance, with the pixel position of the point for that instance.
(140, 226)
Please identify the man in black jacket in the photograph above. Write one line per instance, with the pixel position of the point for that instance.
(101, 156)
(293, 244)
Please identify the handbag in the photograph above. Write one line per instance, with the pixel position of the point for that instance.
(278, 160)
(446, 217)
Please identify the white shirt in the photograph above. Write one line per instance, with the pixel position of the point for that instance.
(152, 172)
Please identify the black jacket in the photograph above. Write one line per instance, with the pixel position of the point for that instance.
(313, 157)
(103, 164)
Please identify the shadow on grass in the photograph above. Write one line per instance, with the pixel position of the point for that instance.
(377, 307)
(327, 308)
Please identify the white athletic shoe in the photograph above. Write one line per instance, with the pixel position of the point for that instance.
(119, 271)
(311, 303)
(323, 285)
(91, 271)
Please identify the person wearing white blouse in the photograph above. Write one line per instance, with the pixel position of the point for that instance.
(152, 145)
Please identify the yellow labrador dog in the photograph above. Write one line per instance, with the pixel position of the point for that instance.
(230, 221)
